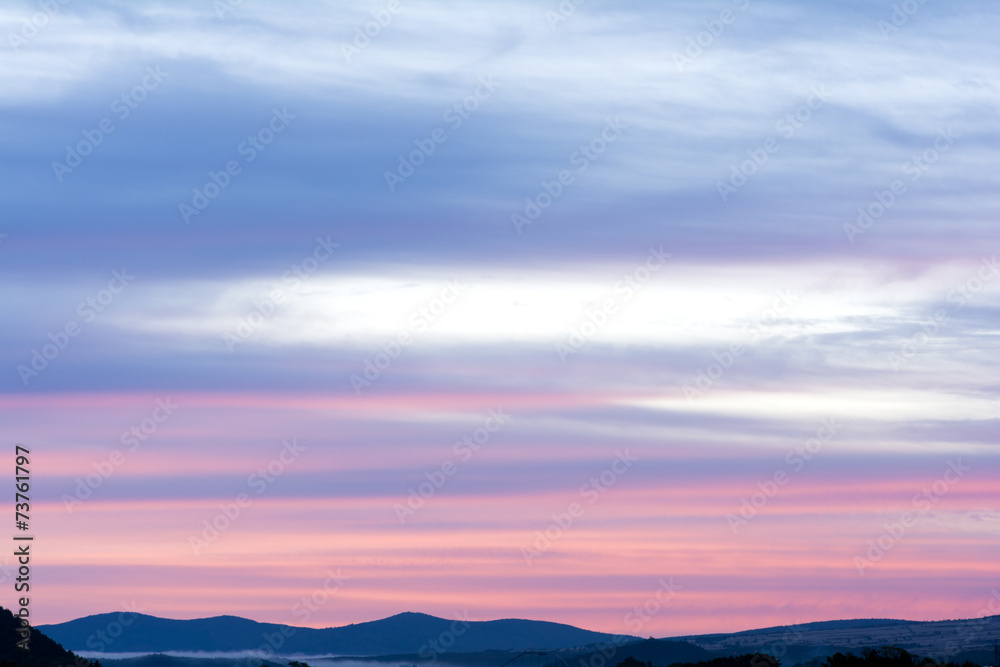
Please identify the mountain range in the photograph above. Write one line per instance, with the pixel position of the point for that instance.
(407, 633)
(415, 638)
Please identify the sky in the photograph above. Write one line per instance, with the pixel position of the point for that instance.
(652, 317)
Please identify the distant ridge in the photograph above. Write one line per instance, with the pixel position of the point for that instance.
(406, 633)
(420, 638)
(851, 624)
(948, 641)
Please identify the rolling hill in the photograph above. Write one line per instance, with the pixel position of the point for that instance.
(414, 638)
(407, 633)
(952, 640)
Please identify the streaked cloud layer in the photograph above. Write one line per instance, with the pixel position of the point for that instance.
(750, 245)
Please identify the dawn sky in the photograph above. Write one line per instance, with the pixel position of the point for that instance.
(505, 308)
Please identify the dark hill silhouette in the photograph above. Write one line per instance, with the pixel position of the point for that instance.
(955, 640)
(42, 650)
(745, 660)
(161, 660)
(409, 633)
(887, 656)
(655, 651)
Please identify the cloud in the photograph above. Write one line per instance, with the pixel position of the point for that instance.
(752, 156)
